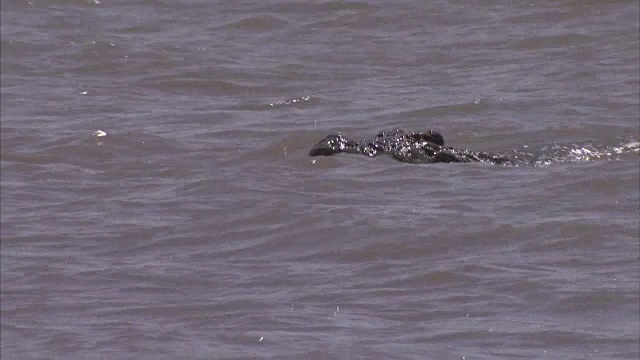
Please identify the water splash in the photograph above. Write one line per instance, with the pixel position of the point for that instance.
(583, 153)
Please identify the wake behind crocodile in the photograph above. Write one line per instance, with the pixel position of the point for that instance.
(429, 147)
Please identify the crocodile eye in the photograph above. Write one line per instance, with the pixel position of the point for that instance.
(436, 138)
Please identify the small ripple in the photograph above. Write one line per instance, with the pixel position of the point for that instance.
(290, 101)
(297, 102)
(256, 24)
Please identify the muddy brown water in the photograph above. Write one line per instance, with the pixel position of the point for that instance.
(197, 227)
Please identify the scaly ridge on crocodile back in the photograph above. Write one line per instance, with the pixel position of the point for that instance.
(412, 147)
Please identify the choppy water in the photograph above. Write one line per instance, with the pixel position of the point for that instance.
(198, 227)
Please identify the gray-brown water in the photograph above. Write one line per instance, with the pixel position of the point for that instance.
(198, 227)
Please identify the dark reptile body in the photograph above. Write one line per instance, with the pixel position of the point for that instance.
(412, 147)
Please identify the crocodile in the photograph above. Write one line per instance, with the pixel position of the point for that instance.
(411, 147)
(429, 147)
